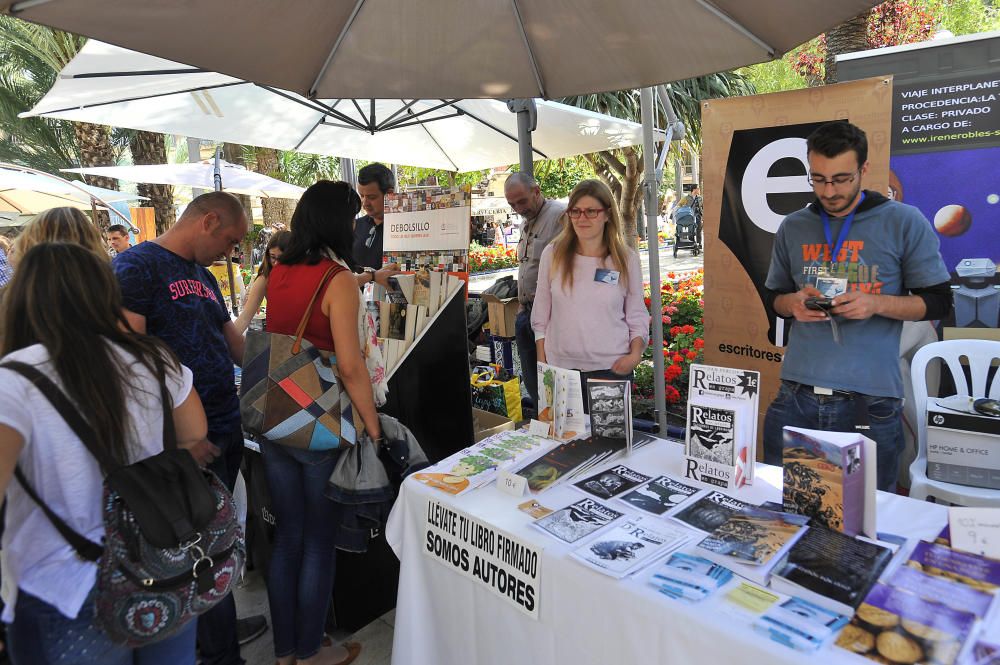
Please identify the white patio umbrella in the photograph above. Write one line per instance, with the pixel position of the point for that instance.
(27, 191)
(451, 49)
(237, 179)
(109, 85)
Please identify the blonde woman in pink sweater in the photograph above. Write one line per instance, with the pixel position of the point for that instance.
(589, 312)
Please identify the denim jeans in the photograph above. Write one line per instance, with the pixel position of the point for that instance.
(41, 635)
(526, 349)
(217, 640)
(300, 578)
(798, 406)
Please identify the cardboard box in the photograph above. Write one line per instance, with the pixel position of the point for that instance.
(963, 449)
(503, 352)
(502, 314)
(487, 424)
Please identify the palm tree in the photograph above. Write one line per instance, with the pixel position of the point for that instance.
(847, 37)
(150, 148)
(622, 169)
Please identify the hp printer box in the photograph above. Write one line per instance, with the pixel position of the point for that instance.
(962, 448)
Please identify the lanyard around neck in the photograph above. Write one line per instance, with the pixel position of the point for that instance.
(844, 230)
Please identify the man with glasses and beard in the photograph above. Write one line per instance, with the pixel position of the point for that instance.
(849, 269)
(374, 182)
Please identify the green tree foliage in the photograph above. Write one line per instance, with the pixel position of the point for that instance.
(558, 177)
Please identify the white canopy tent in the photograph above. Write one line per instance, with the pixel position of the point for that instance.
(26, 191)
(109, 85)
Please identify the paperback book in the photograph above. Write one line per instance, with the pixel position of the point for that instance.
(477, 465)
(896, 626)
(970, 569)
(709, 512)
(942, 590)
(752, 541)
(611, 411)
(799, 624)
(564, 462)
(689, 578)
(830, 569)
(739, 391)
(560, 402)
(659, 495)
(717, 445)
(631, 545)
(830, 477)
(609, 484)
(578, 520)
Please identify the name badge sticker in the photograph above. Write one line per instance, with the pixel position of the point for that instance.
(606, 276)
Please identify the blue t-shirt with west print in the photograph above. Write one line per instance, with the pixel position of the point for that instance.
(184, 307)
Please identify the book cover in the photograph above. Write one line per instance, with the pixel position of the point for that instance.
(837, 568)
(688, 577)
(560, 401)
(717, 445)
(577, 520)
(710, 511)
(630, 545)
(609, 484)
(824, 477)
(562, 461)
(397, 321)
(970, 569)
(659, 495)
(712, 433)
(754, 535)
(611, 410)
(422, 287)
(941, 590)
(395, 292)
(799, 624)
(741, 388)
(896, 626)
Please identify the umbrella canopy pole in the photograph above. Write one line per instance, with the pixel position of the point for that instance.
(217, 178)
(527, 121)
(650, 184)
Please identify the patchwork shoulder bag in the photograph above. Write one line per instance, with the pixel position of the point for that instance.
(290, 392)
(172, 545)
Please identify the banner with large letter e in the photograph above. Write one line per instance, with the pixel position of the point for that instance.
(754, 172)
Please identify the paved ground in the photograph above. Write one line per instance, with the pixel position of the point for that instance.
(684, 261)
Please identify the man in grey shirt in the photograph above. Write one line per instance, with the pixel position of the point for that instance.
(542, 222)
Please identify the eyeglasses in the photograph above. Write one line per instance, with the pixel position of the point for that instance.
(371, 237)
(838, 180)
(589, 213)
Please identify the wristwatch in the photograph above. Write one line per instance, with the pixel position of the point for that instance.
(369, 271)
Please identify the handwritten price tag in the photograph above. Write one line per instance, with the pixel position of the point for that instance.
(976, 530)
(511, 483)
(538, 428)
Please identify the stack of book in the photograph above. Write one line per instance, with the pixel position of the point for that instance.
(411, 303)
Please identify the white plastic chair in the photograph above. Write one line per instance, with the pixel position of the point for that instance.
(979, 355)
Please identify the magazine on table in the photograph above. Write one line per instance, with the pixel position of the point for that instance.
(566, 461)
(560, 402)
(709, 512)
(752, 540)
(477, 465)
(717, 447)
(741, 388)
(577, 520)
(944, 590)
(631, 545)
(689, 577)
(611, 411)
(612, 482)
(970, 569)
(659, 495)
(799, 624)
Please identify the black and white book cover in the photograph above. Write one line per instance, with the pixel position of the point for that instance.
(631, 545)
(739, 390)
(610, 410)
(659, 495)
(577, 520)
(612, 482)
(711, 433)
(710, 512)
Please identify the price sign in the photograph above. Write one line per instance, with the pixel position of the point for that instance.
(976, 530)
(511, 483)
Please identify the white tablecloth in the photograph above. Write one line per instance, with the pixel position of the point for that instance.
(585, 617)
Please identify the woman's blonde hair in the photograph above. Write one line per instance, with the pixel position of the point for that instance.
(566, 243)
(59, 225)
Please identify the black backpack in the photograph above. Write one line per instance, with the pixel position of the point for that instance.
(172, 546)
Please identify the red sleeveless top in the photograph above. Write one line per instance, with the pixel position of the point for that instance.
(289, 289)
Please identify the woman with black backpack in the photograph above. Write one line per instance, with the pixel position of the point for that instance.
(63, 318)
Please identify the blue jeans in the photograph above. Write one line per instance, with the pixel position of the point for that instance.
(41, 635)
(300, 578)
(798, 406)
(217, 640)
(525, 338)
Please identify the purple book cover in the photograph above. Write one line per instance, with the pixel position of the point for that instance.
(971, 569)
(941, 589)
